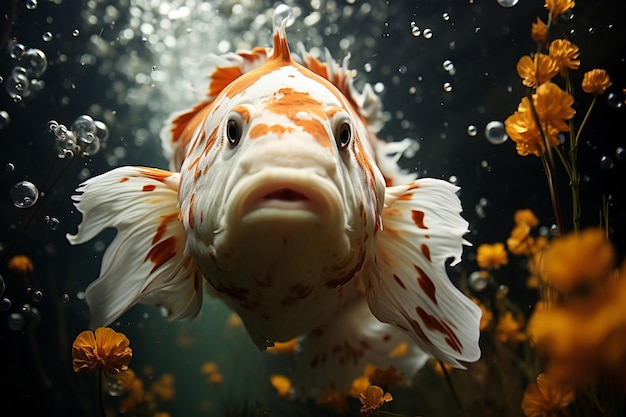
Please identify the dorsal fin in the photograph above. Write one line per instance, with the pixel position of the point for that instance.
(282, 15)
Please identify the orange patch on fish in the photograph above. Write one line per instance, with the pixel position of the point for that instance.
(262, 129)
(418, 218)
(222, 77)
(148, 187)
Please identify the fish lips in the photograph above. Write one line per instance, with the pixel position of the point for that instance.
(286, 196)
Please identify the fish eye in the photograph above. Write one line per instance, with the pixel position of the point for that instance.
(234, 129)
(343, 134)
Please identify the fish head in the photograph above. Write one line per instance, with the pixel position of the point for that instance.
(280, 196)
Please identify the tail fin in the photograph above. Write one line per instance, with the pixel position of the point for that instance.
(145, 262)
(408, 286)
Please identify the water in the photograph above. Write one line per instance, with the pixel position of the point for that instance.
(86, 86)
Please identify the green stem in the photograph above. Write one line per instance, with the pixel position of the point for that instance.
(452, 389)
(100, 389)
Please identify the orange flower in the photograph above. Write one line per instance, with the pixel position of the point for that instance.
(596, 82)
(558, 7)
(282, 384)
(546, 399)
(554, 106)
(491, 256)
(509, 328)
(21, 263)
(526, 216)
(372, 399)
(106, 350)
(136, 395)
(536, 71)
(164, 387)
(520, 242)
(564, 53)
(333, 400)
(386, 378)
(288, 348)
(577, 259)
(584, 337)
(539, 32)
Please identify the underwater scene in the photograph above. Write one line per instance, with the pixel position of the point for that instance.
(313, 208)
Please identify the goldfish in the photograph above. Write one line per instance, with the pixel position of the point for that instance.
(282, 201)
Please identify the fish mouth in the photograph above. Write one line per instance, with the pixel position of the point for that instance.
(286, 195)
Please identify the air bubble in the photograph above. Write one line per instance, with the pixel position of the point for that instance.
(9, 167)
(37, 296)
(47, 36)
(472, 130)
(65, 298)
(52, 222)
(283, 15)
(428, 33)
(24, 194)
(447, 87)
(416, 31)
(448, 65)
(606, 162)
(495, 132)
(84, 128)
(102, 130)
(620, 153)
(5, 304)
(16, 50)
(31, 4)
(75, 32)
(478, 280)
(614, 101)
(16, 322)
(5, 119)
(35, 62)
(507, 3)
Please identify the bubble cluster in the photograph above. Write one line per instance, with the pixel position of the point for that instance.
(24, 194)
(25, 78)
(85, 135)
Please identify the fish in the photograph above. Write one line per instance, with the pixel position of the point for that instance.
(281, 201)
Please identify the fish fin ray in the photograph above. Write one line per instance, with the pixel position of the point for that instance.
(145, 262)
(332, 356)
(408, 285)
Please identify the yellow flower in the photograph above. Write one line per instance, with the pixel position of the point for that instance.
(359, 385)
(491, 256)
(546, 398)
(509, 328)
(558, 7)
(521, 128)
(596, 82)
(564, 53)
(525, 216)
(536, 71)
(539, 32)
(21, 263)
(106, 350)
(372, 399)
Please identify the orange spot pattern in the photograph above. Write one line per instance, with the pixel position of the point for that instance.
(418, 218)
(426, 284)
(262, 129)
(432, 323)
